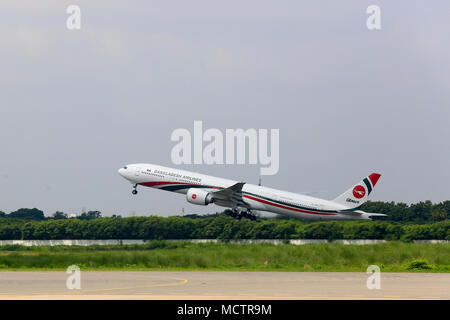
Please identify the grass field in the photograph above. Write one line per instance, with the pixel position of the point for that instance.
(161, 255)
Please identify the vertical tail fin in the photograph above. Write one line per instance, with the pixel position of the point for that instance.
(358, 194)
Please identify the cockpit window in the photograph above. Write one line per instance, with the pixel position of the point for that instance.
(125, 167)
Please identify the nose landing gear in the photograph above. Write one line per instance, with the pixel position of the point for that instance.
(134, 189)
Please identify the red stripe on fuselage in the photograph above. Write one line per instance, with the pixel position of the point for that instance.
(157, 183)
(288, 208)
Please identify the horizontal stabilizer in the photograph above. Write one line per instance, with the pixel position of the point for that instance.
(362, 214)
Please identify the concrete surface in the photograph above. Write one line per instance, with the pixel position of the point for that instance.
(222, 285)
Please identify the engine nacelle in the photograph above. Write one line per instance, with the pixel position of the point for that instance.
(198, 196)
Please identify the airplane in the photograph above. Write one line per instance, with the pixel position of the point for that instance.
(244, 199)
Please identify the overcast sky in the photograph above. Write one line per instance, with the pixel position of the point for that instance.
(77, 105)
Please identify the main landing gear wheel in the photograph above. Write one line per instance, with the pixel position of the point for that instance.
(248, 214)
(231, 213)
(134, 189)
(240, 214)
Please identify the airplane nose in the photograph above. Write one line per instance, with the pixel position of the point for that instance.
(122, 171)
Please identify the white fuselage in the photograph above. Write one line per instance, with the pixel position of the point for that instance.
(257, 197)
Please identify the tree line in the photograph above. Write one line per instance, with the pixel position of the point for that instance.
(423, 220)
(216, 227)
(36, 214)
(421, 212)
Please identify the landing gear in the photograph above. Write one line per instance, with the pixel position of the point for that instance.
(232, 213)
(134, 189)
(248, 214)
(235, 213)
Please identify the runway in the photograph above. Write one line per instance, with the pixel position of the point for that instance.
(222, 285)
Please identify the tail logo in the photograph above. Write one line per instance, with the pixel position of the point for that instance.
(359, 192)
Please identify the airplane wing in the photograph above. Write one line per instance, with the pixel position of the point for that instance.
(231, 195)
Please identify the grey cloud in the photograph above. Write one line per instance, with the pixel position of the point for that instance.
(76, 105)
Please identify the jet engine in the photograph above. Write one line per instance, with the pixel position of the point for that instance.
(199, 196)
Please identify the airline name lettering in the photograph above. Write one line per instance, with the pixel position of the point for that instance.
(177, 175)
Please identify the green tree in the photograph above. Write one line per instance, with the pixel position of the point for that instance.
(90, 215)
(59, 215)
(438, 214)
(24, 213)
